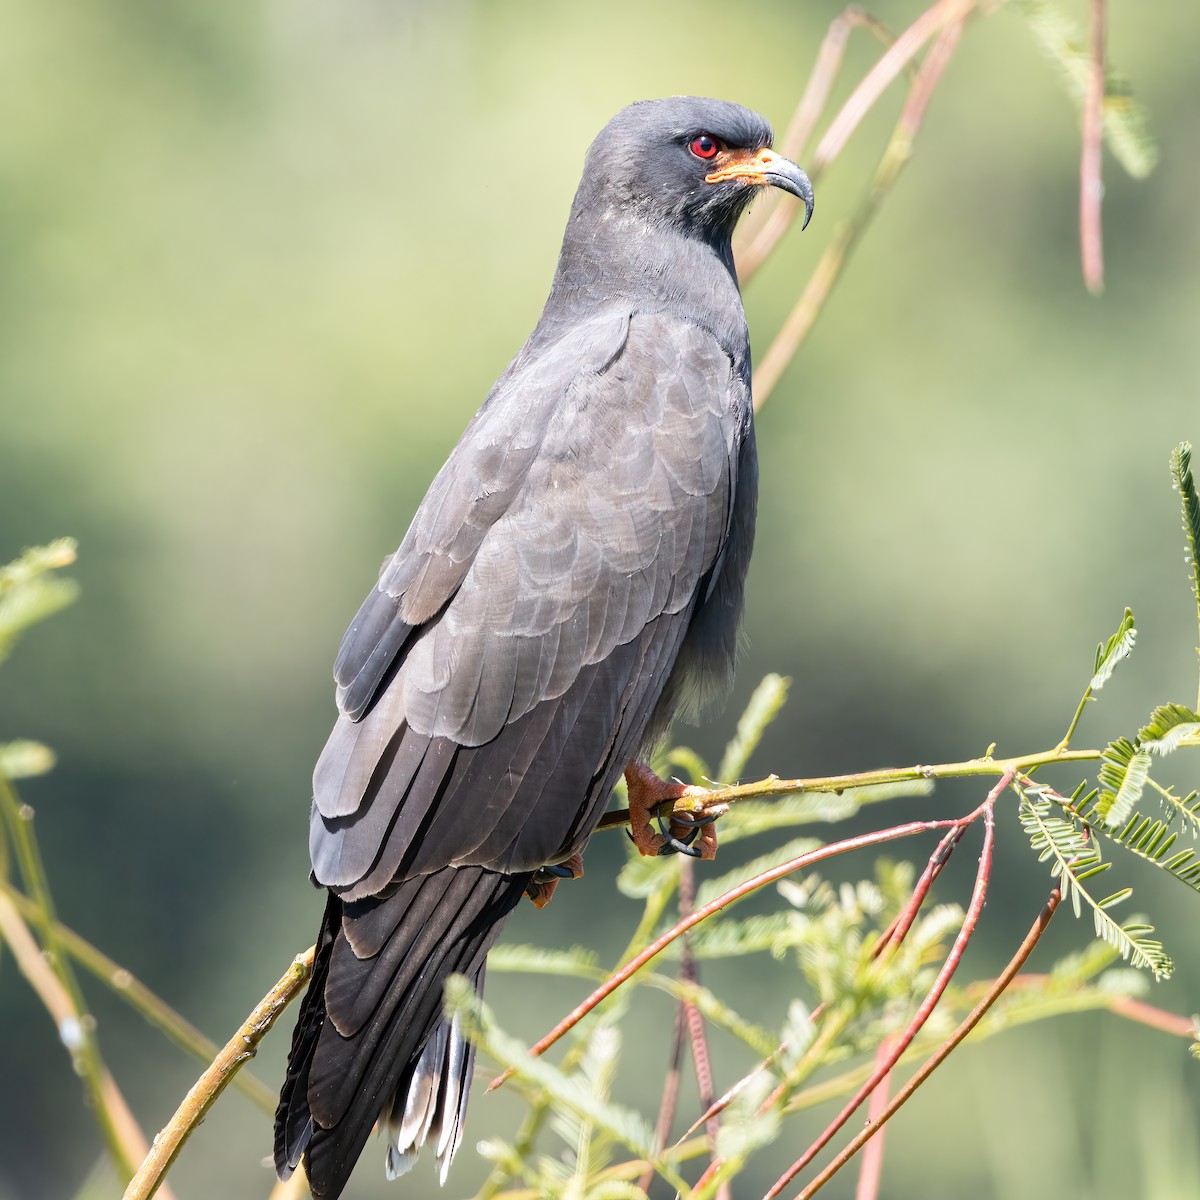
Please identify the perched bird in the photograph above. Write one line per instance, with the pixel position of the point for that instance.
(572, 576)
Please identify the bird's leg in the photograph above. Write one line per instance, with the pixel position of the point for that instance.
(697, 838)
(540, 889)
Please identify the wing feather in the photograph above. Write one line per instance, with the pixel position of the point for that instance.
(568, 566)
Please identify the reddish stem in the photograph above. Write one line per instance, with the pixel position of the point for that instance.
(875, 83)
(694, 1018)
(871, 1171)
(816, 292)
(756, 244)
(897, 931)
(635, 964)
(942, 1053)
(670, 1097)
(1091, 184)
(1155, 1018)
(902, 1041)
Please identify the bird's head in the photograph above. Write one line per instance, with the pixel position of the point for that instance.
(689, 162)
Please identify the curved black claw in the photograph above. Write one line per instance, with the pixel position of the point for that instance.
(696, 823)
(552, 871)
(674, 845)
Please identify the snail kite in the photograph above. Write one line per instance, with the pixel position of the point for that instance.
(572, 576)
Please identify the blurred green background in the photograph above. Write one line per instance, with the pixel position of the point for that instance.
(259, 263)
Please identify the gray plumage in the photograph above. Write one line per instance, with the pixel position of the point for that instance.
(575, 570)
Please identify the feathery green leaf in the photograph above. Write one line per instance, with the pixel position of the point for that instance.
(1170, 726)
(745, 1127)
(714, 1009)
(682, 758)
(37, 560)
(1151, 840)
(28, 594)
(1130, 791)
(1115, 764)
(768, 698)
(1184, 484)
(576, 961)
(569, 1091)
(642, 876)
(1076, 856)
(1110, 653)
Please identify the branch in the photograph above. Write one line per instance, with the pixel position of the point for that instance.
(933, 20)
(900, 1043)
(694, 1019)
(85, 1054)
(870, 1172)
(773, 786)
(949, 16)
(235, 1054)
(656, 947)
(670, 1096)
(1026, 948)
(70, 1024)
(761, 234)
(1091, 184)
(156, 1010)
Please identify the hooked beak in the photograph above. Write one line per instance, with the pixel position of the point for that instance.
(765, 168)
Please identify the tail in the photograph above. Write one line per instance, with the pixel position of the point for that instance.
(371, 1042)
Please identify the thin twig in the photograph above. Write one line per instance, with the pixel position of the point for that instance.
(765, 226)
(63, 1012)
(156, 1010)
(1155, 1018)
(870, 1171)
(1026, 948)
(895, 157)
(901, 1041)
(670, 1096)
(1091, 183)
(722, 1102)
(933, 20)
(897, 931)
(694, 1018)
(774, 786)
(761, 880)
(688, 974)
(1083, 703)
(204, 1092)
(85, 1053)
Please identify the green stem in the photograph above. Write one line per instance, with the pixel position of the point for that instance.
(157, 1011)
(82, 1040)
(969, 768)
(1066, 741)
(235, 1054)
(523, 1146)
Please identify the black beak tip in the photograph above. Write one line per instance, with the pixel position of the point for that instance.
(787, 175)
(808, 210)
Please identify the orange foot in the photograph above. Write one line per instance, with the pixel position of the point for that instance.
(540, 889)
(646, 791)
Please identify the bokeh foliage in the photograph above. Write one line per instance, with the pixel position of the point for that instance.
(258, 264)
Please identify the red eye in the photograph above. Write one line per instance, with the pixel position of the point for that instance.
(704, 146)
